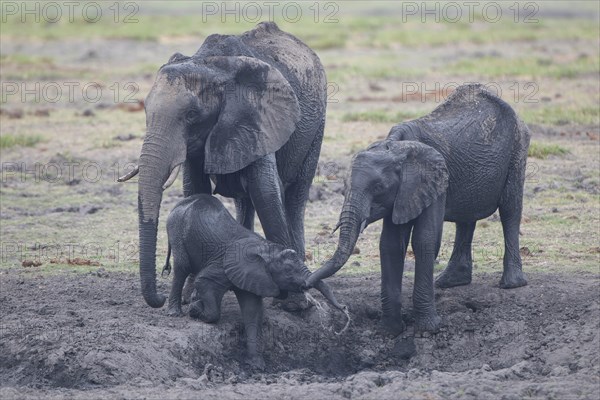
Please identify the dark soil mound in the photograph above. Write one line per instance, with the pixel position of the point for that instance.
(92, 335)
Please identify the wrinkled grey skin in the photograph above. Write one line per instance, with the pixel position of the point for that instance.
(206, 241)
(481, 143)
(246, 112)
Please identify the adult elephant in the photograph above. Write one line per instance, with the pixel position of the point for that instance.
(483, 144)
(246, 112)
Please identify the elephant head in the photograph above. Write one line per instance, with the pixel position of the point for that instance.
(390, 178)
(221, 113)
(269, 270)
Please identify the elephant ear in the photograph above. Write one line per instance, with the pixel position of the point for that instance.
(258, 115)
(245, 264)
(424, 179)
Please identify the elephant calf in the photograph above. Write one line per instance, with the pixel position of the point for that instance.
(207, 241)
(460, 163)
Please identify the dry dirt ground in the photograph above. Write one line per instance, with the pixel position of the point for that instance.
(89, 336)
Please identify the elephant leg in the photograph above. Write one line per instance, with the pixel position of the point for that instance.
(295, 203)
(181, 271)
(392, 249)
(207, 306)
(510, 216)
(188, 288)
(296, 195)
(265, 191)
(194, 179)
(426, 237)
(252, 311)
(264, 187)
(245, 213)
(460, 267)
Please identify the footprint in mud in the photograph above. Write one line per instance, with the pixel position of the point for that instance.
(405, 348)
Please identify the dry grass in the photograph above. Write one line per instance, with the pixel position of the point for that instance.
(368, 60)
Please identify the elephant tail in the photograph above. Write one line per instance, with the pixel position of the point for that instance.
(166, 271)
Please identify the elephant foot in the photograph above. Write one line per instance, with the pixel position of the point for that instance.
(393, 326)
(430, 322)
(513, 278)
(454, 276)
(255, 362)
(294, 302)
(174, 311)
(188, 289)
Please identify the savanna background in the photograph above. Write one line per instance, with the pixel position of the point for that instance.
(72, 120)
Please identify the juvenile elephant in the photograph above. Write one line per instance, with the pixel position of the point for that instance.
(460, 163)
(246, 112)
(207, 241)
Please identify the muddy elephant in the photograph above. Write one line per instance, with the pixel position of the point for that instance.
(479, 140)
(246, 115)
(206, 241)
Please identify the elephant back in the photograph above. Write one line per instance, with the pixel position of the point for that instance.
(223, 45)
(305, 73)
(480, 138)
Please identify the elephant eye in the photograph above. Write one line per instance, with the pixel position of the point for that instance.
(192, 115)
(379, 187)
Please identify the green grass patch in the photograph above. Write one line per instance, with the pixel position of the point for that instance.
(385, 32)
(378, 116)
(543, 150)
(349, 72)
(351, 25)
(21, 66)
(348, 65)
(20, 59)
(8, 140)
(561, 115)
(323, 42)
(143, 29)
(497, 67)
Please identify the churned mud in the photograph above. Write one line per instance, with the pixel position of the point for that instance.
(92, 336)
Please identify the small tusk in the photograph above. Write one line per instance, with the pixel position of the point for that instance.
(363, 226)
(172, 177)
(129, 175)
(336, 227)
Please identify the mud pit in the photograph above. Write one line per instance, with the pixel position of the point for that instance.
(91, 336)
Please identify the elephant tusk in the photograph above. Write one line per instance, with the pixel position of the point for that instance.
(363, 226)
(129, 175)
(172, 177)
(336, 227)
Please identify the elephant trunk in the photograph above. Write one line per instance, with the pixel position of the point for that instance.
(155, 165)
(325, 290)
(352, 218)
